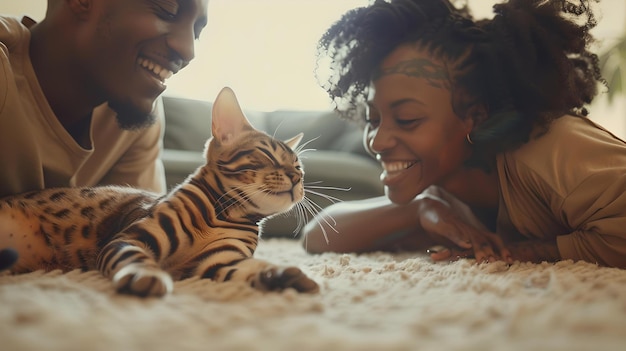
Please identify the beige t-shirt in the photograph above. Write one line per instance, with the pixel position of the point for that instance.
(37, 152)
(570, 184)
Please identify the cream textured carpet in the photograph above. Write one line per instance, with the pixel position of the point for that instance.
(367, 302)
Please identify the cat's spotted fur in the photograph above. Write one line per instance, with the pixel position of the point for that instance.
(206, 227)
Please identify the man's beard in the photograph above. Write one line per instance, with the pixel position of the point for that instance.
(131, 118)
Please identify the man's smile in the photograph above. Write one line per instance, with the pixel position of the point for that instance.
(159, 72)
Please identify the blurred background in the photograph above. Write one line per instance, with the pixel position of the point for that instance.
(265, 50)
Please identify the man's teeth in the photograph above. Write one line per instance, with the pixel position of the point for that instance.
(161, 72)
(397, 166)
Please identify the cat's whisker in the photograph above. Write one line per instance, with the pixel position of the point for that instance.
(321, 217)
(237, 190)
(301, 215)
(277, 128)
(247, 192)
(300, 218)
(303, 152)
(314, 184)
(225, 205)
(264, 192)
(315, 209)
(245, 195)
(303, 210)
(236, 203)
(325, 187)
(327, 197)
(300, 149)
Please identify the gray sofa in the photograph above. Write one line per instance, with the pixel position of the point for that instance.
(339, 160)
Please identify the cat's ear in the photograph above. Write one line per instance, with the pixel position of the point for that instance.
(293, 142)
(228, 119)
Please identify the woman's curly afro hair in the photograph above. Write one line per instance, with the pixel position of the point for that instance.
(527, 65)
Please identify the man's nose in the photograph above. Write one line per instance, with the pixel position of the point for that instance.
(182, 42)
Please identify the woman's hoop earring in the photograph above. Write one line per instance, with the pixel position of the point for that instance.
(469, 139)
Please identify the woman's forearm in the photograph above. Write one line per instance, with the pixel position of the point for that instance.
(360, 226)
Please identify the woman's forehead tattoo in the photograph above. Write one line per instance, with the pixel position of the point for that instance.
(171, 6)
(434, 73)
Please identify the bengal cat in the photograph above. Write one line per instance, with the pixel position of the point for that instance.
(208, 226)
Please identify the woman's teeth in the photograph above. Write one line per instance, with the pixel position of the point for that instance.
(391, 167)
(159, 71)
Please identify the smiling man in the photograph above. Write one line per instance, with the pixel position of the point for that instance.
(79, 91)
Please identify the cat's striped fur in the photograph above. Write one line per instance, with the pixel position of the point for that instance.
(206, 227)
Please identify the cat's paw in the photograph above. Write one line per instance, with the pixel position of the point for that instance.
(142, 280)
(277, 278)
(8, 257)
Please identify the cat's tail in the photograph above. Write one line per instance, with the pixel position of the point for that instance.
(8, 257)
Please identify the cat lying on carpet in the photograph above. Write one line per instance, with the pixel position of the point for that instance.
(207, 227)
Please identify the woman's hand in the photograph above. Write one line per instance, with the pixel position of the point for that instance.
(458, 232)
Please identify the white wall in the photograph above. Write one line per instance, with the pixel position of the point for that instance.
(33, 8)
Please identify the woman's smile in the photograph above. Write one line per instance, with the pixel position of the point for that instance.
(393, 172)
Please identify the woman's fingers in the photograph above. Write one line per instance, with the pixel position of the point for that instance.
(439, 253)
(505, 254)
(460, 237)
(442, 253)
(437, 218)
(482, 246)
(485, 247)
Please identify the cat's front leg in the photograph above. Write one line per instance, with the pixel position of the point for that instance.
(266, 276)
(280, 278)
(133, 270)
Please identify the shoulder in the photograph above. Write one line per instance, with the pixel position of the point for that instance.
(14, 38)
(12, 31)
(570, 151)
(568, 138)
(14, 41)
(581, 129)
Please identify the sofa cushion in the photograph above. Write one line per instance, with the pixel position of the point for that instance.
(188, 126)
(188, 123)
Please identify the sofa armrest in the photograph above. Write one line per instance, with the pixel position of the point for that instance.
(179, 164)
(346, 170)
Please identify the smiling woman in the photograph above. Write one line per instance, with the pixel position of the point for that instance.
(461, 111)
